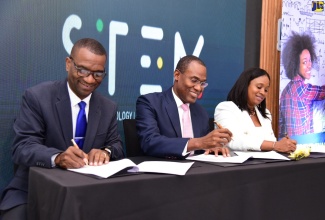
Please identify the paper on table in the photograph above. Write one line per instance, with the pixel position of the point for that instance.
(316, 148)
(262, 155)
(163, 167)
(105, 170)
(113, 167)
(219, 159)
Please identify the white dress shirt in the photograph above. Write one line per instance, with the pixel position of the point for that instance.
(74, 100)
(179, 104)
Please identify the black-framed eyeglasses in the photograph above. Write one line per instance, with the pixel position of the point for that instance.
(195, 81)
(85, 73)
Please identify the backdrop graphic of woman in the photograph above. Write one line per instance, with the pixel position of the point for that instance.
(297, 98)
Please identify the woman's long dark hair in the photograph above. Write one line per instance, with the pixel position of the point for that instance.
(239, 92)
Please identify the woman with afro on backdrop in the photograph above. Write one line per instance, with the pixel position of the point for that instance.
(296, 100)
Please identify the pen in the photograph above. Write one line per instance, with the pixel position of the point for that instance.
(286, 135)
(221, 127)
(76, 146)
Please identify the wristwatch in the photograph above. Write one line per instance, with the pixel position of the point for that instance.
(108, 150)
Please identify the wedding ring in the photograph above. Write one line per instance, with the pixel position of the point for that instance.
(104, 154)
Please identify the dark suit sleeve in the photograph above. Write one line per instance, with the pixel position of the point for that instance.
(155, 130)
(29, 148)
(113, 139)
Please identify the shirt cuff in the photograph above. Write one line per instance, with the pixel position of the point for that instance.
(53, 159)
(185, 153)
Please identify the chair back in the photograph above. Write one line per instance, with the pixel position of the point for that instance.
(132, 144)
(211, 124)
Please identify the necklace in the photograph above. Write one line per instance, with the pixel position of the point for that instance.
(252, 112)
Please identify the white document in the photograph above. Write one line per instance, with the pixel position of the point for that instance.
(163, 167)
(317, 148)
(219, 159)
(113, 167)
(262, 155)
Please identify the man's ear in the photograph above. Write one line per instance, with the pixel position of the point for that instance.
(176, 75)
(67, 64)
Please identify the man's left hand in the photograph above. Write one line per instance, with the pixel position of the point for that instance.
(216, 150)
(97, 157)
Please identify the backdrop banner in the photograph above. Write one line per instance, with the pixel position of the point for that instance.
(144, 40)
(302, 71)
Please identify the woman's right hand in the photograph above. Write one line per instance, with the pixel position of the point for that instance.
(285, 145)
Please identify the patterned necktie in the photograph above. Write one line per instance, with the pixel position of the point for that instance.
(81, 125)
(187, 124)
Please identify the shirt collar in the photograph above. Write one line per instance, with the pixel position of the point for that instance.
(178, 101)
(74, 99)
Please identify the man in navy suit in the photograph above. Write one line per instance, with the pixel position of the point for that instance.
(47, 122)
(159, 116)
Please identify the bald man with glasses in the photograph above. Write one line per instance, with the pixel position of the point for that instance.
(170, 124)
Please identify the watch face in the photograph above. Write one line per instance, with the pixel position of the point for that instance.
(108, 150)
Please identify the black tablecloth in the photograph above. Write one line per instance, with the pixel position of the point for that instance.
(281, 190)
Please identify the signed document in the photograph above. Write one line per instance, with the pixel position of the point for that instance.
(272, 155)
(314, 148)
(241, 157)
(107, 170)
(219, 159)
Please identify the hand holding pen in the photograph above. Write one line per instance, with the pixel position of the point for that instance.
(219, 126)
(221, 137)
(286, 145)
(72, 157)
(96, 157)
(76, 146)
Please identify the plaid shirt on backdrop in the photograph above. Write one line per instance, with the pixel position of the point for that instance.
(296, 107)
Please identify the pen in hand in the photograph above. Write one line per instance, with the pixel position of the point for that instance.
(219, 126)
(76, 146)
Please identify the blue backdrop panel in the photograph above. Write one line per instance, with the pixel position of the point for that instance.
(37, 35)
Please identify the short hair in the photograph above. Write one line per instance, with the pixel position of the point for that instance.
(91, 44)
(292, 49)
(183, 63)
(239, 92)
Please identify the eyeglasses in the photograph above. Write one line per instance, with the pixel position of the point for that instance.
(195, 80)
(85, 73)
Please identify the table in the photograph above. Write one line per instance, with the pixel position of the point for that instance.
(279, 190)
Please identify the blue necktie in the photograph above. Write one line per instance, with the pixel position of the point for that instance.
(81, 125)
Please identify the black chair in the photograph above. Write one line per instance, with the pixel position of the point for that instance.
(211, 124)
(132, 144)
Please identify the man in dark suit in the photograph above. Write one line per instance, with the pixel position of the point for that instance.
(159, 116)
(47, 123)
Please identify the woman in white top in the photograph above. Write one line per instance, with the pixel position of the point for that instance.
(245, 115)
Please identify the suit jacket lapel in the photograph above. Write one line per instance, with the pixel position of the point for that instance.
(63, 106)
(172, 112)
(94, 115)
